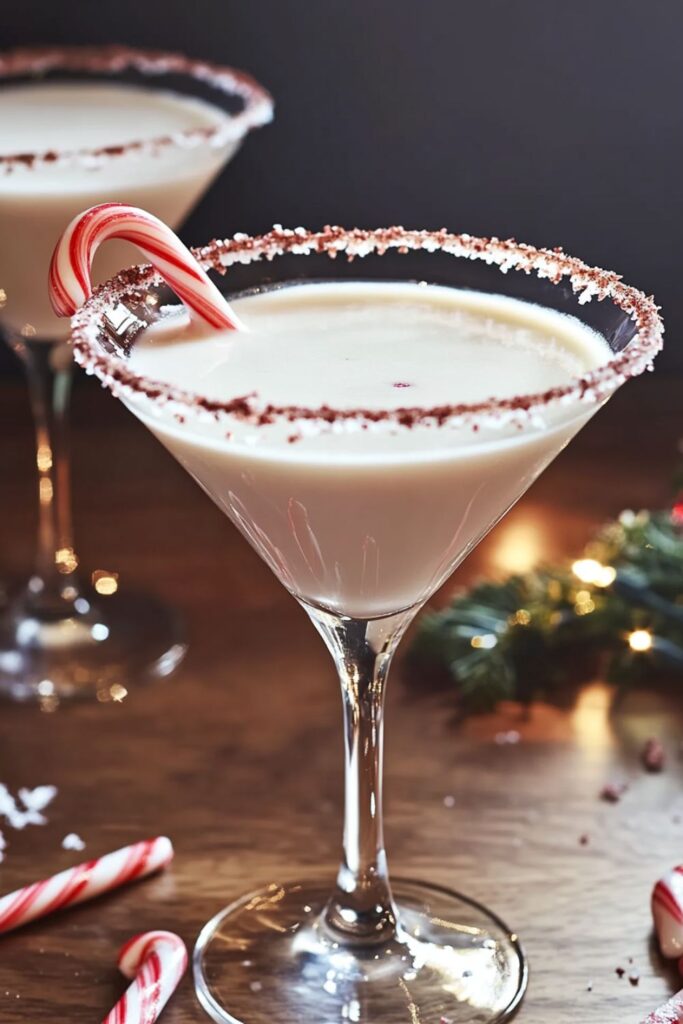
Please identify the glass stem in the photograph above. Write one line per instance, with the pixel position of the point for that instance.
(49, 367)
(361, 909)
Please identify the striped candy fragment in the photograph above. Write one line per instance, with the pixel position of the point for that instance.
(69, 279)
(156, 961)
(670, 1013)
(84, 882)
(667, 912)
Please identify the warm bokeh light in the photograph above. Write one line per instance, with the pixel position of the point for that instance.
(584, 603)
(105, 582)
(640, 640)
(485, 642)
(591, 717)
(44, 457)
(521, 618)
(520, 545)
(589, 570)
(65, 560)
(45, 491)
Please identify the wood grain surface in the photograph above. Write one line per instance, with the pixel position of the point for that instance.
(238, 758)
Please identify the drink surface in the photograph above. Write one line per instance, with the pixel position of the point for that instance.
(366, 523)
(37, 201)
(373, 345)
(65, 117)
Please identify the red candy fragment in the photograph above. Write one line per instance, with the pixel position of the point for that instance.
(653, 756)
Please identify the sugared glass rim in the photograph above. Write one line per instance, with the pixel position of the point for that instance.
(103, 60)
(554, 265)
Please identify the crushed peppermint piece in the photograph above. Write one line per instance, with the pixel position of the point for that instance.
(72, 842)
(37, 799)
(34, 801)
(670, 1013)
(612, 792)
(653, 756)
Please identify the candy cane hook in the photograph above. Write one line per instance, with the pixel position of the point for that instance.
(69, 279)
(156, 961)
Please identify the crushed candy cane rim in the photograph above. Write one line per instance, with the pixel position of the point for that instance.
(111, 60)
(554, 265)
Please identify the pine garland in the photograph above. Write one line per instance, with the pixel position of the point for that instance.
(621, 603)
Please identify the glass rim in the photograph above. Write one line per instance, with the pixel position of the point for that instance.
(554, 265)
(103, 60)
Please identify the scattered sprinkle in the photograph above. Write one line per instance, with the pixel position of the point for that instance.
(619, 971)
(37, 799)
(34, 801)
(612, 792)
(72, 842)
(634, 978)
(653, 756)
(584, 839)
(589, 986)
(449, 801)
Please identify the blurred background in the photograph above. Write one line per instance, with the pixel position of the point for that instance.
(560, 124)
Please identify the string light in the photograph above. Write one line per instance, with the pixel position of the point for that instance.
(104, 582)
(485, 641)
(521, 618)
(640, 640)
(590, 571)
(584, 603)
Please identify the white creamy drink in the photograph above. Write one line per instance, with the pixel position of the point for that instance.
(37, 199)
(367, 518)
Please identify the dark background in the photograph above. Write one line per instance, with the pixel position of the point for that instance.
(555, 122)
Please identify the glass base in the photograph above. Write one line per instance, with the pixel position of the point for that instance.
(270, 957)
(94, 646)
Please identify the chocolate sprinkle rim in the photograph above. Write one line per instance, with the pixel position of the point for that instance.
(104, 60)
(132, 286)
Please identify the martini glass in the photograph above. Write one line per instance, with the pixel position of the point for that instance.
(423, 486)
(150, 129)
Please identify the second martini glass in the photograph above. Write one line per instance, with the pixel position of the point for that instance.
(361, 512)
(85, 125)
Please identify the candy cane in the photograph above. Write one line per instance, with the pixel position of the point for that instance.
(667, 912)
(70, 283)
(156, 961)
(84, 882)
(670, 1013)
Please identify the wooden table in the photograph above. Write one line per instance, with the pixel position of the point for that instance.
(238, 758)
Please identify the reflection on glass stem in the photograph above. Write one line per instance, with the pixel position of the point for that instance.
(361, 907)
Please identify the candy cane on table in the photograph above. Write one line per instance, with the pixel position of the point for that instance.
(670, 1013)
(667, 912)
(84, 882)
(69, 280)
(156, 961)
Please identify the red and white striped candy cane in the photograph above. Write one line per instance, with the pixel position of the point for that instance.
(84, 882)
(667, 912)
(156, 961)
(70, 283)
(670, 1013)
